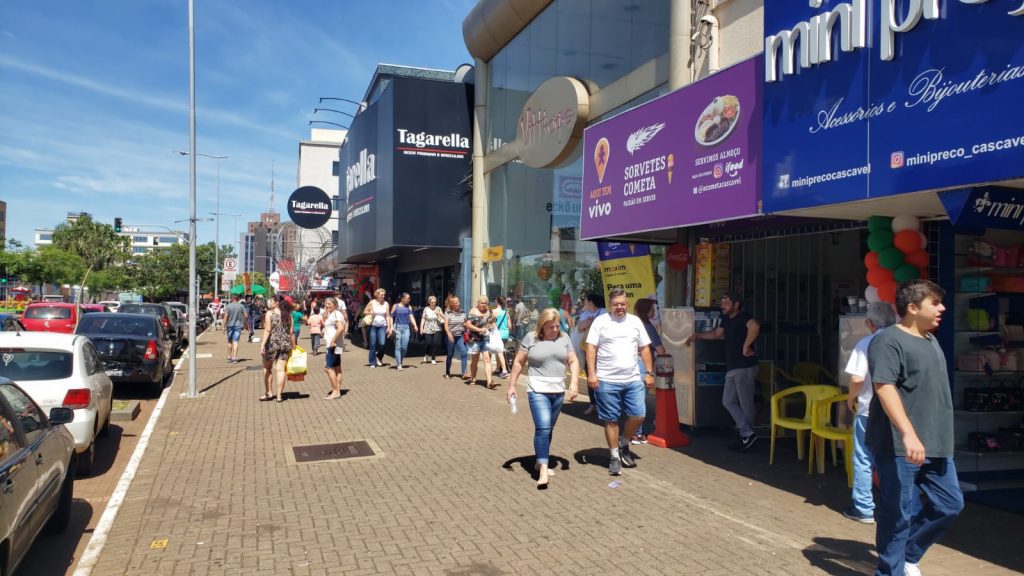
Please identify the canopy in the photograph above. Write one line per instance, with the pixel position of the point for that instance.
(240, 289)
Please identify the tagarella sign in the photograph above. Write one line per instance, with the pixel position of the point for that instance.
(850, 21)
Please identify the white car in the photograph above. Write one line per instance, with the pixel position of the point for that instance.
(62, 370)
(111, 305)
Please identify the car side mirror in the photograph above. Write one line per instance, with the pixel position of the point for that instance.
(61, 415)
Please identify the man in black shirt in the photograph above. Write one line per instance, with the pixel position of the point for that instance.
(910, 432)
(740, 331)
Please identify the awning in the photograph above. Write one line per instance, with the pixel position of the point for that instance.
(985, 207)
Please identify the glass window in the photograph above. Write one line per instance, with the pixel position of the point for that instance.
(27, 364)
(334, 168)
(25, 410)
(92, 362)
(9, 442)
(140, 239)
(168, 239)
(139, 250)
(46, 237)
(48, 312)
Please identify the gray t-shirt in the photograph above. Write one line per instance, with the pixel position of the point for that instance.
(546, 358)
(917, 367)
(236, 314)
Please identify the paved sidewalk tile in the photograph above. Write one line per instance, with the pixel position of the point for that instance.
(450, 492)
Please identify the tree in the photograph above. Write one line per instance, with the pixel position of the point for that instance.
(96, 244)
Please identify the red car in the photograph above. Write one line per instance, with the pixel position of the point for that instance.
(52, 317)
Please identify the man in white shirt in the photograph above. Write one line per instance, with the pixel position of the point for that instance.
(613, 344)
(880, 315)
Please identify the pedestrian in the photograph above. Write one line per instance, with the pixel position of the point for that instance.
(739, 330)
(296, 316)
(335, 326)
(404, 323)
(250, 317)
(613, 344)
(214, 309)
(476, 326)
(234, 317)
(455, 331)
(522, 319)
(593, 306)
(862, 509)
(276, 346)
(549, 354)
(910, 432)
(646, 309)
(380, 327)
(431, 324)
(501, 320)
(316, 324)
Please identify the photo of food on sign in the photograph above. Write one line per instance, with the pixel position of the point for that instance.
(717, 120)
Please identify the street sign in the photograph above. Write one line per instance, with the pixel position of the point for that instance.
(225, 284)
(230, 275)
(494, 254)
(230, 265)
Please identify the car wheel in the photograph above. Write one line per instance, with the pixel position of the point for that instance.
(105, 429)
(62, 515)
(86, 460)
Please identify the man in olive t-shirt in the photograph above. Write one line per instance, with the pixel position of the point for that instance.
(910, 432)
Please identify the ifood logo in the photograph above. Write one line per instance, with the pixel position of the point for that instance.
(897, 160)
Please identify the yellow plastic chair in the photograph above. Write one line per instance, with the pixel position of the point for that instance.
(823, 429)
(811, 373)
(811, 394)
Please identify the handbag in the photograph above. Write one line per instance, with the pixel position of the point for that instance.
(368, 320)
(465, 336)
(296, 365)
(494, 343)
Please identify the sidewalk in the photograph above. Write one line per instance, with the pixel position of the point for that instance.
(449, 491)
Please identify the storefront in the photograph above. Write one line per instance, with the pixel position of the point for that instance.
(406, 166)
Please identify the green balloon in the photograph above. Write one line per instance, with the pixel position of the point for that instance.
(879, 240)
(880, 223)
(891, 258)
(906, 272)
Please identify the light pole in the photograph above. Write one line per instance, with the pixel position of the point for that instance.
(216, 246)
(193, 303)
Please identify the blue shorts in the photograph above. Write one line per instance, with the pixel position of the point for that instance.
(332, 359)
(234, 333)
(618, 399)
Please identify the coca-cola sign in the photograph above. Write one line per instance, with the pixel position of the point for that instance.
(677, 257)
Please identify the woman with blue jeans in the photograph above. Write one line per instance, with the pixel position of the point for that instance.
(454, 322)
(548, 352)
(380, 326)
(404, 322)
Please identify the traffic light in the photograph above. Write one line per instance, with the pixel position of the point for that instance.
(117, 225)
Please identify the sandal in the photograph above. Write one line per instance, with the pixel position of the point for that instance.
(266, 398)
(279, 399)
(332, 396)
(492, 385)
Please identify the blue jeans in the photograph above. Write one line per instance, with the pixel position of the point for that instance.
(916, 505)
(378, 336)
(545, 409)
(401, 342)
(863, 500)
(460, 346)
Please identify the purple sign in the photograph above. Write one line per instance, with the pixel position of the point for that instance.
(689, 157)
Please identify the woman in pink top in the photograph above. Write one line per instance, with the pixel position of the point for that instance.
(316, 324)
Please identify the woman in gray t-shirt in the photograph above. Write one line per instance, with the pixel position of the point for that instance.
(548, 353)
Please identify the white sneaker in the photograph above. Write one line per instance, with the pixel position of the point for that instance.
(424, 360)
(911, 569)
(433, 361)
(399, 368)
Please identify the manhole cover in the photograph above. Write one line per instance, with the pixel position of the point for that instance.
(338, 451)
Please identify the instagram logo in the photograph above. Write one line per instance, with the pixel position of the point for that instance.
(719, 170)
(896, 159)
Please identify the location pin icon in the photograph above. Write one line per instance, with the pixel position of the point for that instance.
(601, 153)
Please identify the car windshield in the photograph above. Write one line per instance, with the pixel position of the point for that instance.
(47, 312)
(109, 324)
(20, 364)
(142, 309)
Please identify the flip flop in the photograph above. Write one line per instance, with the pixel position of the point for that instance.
(266, 398)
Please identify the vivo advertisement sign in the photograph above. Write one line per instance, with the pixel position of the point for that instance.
(870, 99)
(687, 158)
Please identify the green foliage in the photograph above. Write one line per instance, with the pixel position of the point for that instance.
(97, 245)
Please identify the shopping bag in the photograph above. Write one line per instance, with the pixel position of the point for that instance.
(494, 343)
(296, 362)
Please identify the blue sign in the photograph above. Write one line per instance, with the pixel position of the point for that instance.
(925, 99)
(615, 250)
(985, 207)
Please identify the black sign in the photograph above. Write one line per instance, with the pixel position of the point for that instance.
(309, 207)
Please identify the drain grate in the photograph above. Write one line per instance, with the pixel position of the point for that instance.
(337, 451)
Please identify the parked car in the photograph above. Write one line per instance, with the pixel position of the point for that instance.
(112, 305)
(90, 308)
(51, 317)
(62, 371)
(10, 323)
(162, 312)
(134, 348)
(180, 306)
(37, 471)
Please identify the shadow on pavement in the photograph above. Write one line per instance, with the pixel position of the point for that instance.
(222, 380)
(841, 557)
(55, 553)
(527, 463)
(106, 450)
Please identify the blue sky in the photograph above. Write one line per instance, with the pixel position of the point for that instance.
(94, 98)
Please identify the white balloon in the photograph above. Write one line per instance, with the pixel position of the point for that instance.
(904, 222)
(924, 241)
(871, 294)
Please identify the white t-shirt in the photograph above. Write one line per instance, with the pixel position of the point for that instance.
(618, 342)
(858, 366)
(330, 328)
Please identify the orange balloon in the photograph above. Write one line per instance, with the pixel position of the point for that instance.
(871, 261)
(887, 292)
(908, 241)
(919, 258)
(879, 276)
